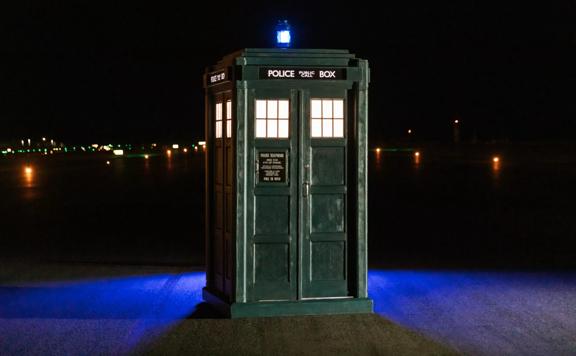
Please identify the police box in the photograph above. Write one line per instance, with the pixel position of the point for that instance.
(286, 182)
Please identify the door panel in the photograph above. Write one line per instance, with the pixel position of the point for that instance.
(298, 235)
(324, 209)
(273, 234)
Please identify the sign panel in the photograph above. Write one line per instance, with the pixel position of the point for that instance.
(217, 77)
(302, 73)
(272, 167)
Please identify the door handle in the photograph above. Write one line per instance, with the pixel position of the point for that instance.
(305, 189)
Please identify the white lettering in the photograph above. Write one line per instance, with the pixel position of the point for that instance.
(217, 77)
(276, 73)
(327, 74)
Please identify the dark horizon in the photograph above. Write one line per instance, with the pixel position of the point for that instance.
(105, 72)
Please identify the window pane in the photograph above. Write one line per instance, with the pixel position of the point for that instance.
(327, 109)
(316, 128)
(272, 109)
(260, 128)
(218, 111)
(283, 109)
(228, 128)
(283, 128)
(338, 109)
(272, 128)
(327, 128)
(338, 128)
(260, 109)
(316, 109)
(218, 129)
(229, 109)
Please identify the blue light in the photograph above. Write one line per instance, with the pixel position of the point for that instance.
(475, 312)
(481, 312)
(109, 315)
(283, 37)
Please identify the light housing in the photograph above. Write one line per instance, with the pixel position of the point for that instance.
(283, 34)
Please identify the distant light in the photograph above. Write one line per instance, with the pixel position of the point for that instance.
(22, 142)
(8, 150)
(378, 150)
(417, 154)
(185, 150)
(202, 143)
(28, 170)
(95, 145)
(146, 156)
(196, 148)
(108, 162)
(29, 142)
(496, 159)
(153, 145)
(175, 146)
(409, 131)
(118, 152)
(168, 152)
(43, 138)
(456, 121)
(283, 37)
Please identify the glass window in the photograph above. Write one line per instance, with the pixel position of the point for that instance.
(272, 118)
(327, 118)
(228, 118)
(218, 132)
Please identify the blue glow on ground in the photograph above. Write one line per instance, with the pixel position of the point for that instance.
(482, 312)
(107, 316)
(474, 312)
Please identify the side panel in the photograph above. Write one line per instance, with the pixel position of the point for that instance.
(221, 191)
(218, 198)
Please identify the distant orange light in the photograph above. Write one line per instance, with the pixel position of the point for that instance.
(496, 159)
(28, 170)
(409, 131)
(378, 150)
(456, 121)
(185, 150)
(168, 152)
(417, 154)
(146, 156)
(108, 162)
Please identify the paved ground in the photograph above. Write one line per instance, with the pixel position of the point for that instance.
(97, 309)
(483, 313)
(92, 309)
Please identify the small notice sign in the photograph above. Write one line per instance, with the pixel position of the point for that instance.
(272, 167)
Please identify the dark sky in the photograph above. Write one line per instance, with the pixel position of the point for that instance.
(95, 70)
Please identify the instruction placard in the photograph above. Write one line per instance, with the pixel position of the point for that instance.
(272, 167)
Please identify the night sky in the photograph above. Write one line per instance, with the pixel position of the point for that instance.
(94, 71)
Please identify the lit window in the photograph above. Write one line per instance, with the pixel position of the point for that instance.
(218, 120)
(229, 118)
(272, 118)
(327, 118)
